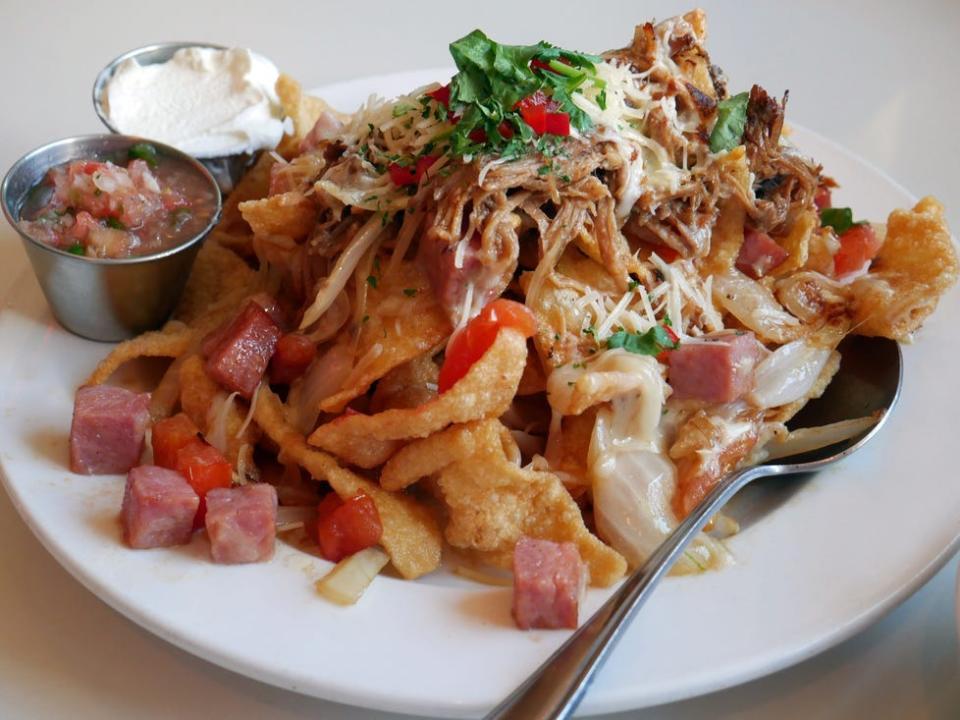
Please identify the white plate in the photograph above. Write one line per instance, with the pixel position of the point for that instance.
(830, 559)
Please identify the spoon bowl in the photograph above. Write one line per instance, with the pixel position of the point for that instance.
(867, 383)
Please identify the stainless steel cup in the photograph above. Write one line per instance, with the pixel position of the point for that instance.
(103, 299)
(226, 169)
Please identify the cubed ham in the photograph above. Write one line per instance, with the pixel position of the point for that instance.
(240, 355)
(241, 523)
(451, 283)
(106, 435)
(326, 128)
(158, 508)
(548, 583)
(759, 254)
(715, 368)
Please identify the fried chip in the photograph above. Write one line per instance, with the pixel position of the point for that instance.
(726, 239)
(491, 501)
(406, 386)
(485, 391)
(302, 109)
(290, 213)
(797, 243)
(220, 278)
(410, 533)
(916, 265)
(204, 402)
(172, 341)
(233, 230)
(403, 321)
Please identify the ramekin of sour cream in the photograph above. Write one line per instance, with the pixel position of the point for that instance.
(208, 101)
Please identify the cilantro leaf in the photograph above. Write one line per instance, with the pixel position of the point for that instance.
(652, 342)
(731, 121)
(77, 249)
(840, 219)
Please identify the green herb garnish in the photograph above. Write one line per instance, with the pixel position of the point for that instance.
(145, 152)
(372, 281)
(112, 222)
(840, 219)
(409, 292)
(731, 121)
(77, 249)
(652, 342)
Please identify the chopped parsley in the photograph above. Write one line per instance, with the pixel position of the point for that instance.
(372, 281)
(112, 222)
(76, 249)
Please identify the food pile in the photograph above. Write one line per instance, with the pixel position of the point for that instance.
(527, 318)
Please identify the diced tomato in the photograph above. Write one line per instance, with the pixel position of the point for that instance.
(441, 95)
(477, 135)
(666, 253)
(822, 199)
(292, 357)
(204, 467)
(858, 246)
(169, 436)
(410, 174)
(557, 123)
(347, 527)
(469, 344)
(542, 115)
(664, 355)
(506, 130)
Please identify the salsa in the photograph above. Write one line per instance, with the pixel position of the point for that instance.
(139, 203)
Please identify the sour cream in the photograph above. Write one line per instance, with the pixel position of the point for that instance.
(204, 101)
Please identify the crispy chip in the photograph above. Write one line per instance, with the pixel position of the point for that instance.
(233, 230)
(491, 501)
(302, 109)
(484, 392)
(172, 341)
(403, 321)
(797, 243)
(202, 399)
(916, 265)
(726, 239)
(410, 533)
(220, 279)
(406, 386)
(288, 213)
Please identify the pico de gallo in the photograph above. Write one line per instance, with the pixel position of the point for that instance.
(140, 203)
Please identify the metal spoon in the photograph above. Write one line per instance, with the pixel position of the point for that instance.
(868, 381)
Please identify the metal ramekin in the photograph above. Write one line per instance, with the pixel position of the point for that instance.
(103, 299)
(226, 169)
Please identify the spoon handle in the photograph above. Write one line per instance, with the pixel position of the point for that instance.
(556, 688)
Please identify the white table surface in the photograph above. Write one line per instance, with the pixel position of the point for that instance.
(878, 78)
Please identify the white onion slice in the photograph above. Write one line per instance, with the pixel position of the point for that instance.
(788, 374)
(351, 576)
(292, 518)
(333, 284)
(753, 305)
(323, 378)
(804, 440)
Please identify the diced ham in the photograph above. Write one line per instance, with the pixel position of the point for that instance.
(327, 128)
(451, 283)
(106, 435)
(548, 582)
(158, 508)
(759, 254)
(241, 523)
(240, 355)
(715, 368)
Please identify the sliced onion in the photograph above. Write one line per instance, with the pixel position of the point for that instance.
(323, 378)
(804, 440)
(217, 415)
(631, 502)
(332, 319)
(754, 305)
(351, 576)
(333, 284)
(293, 518)
(788, 373)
